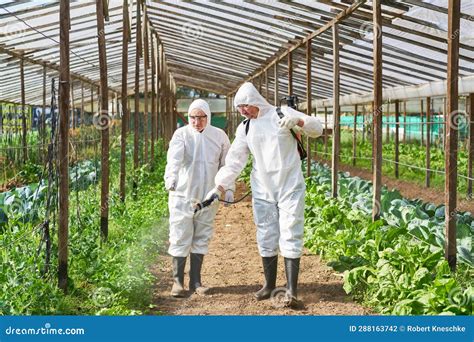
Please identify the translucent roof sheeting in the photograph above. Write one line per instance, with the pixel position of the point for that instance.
(216, 45)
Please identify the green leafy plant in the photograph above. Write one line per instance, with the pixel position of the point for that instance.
(395, 264)
(105, 278)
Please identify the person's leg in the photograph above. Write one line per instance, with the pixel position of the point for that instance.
(180, 237)
(291, 210)
(203, 231)
(266, 219)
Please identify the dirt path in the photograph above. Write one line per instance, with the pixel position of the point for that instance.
(233, 271)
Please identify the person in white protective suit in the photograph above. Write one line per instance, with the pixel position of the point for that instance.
(195, 154)
(278, 187)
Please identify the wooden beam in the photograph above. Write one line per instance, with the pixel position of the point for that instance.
(363, 123)
(354, 138)
(308, 104)
(82, 115)
(49, 65)
(428, 141)
(266, 85)
(445, 120)
(125, 110)
(422, 126)
(104, 121)
(397, 133)
(43, 118)
(275, 92)
(159, 85)
(227, 117)
(162, 97)
(64, 79)
(153, 101)
(387, 126)
(146, 62)
(336, 111)
(471, 146)
(290, 74)
(92, 101)
(136, 114)
(326, 133)
(452, 135)
(338, 18)
(23, 112)
(377, 107)
(405, 121)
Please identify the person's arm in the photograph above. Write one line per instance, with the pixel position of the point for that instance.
(174, 158)
(235, 160)
(308, 125)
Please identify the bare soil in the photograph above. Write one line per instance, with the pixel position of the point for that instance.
(233, 271)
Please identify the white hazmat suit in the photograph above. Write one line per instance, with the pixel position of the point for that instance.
(278, 187)
(277, 181)
(192, 162)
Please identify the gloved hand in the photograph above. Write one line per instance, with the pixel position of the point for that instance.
(170, 184)
(288, 122)
(211, 193)
(228, 197)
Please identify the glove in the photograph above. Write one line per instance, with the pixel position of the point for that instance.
(288, 122)
(170, 184)
(228, 197)
(211, 193)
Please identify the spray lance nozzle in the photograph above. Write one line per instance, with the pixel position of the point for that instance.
(206, 203)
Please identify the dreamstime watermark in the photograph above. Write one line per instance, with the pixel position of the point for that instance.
(192, 31)
(279, 297)
(103, 297)
(46, 330)
(368, 206)
(458, 120)
(459, 297)
(368, 28)
(102, 120)
(17, 206)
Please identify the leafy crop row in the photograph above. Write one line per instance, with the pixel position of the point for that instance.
(396, 264)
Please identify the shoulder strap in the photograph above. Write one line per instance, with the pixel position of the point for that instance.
(246, 123)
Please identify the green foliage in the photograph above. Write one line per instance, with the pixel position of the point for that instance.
(410, 153)
(106, 278)
(29, 173)
(25, 203)
(395, 264)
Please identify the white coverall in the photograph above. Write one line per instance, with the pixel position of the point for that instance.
(278, 187)
(192, 162)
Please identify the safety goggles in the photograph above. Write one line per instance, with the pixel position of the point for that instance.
(198, 117)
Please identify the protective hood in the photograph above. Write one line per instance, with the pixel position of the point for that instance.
(248, 94)
(202, 105)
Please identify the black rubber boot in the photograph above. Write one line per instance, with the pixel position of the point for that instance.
(292, 268)
(195, 284)
(178, 277)
(270, 265)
